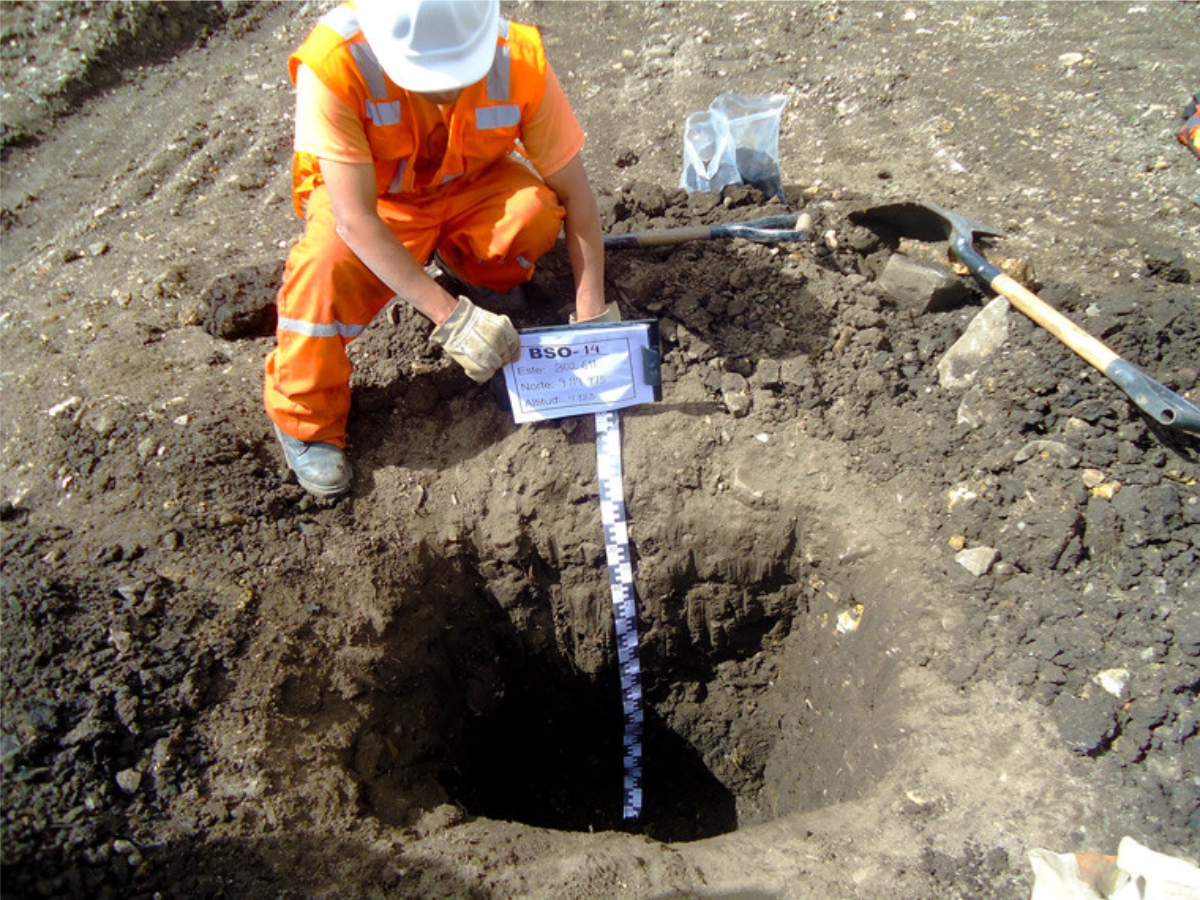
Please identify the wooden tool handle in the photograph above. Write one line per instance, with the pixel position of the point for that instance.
(672, 236)
(1029, 303)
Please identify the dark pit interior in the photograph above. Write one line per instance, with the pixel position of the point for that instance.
(473, 704)
(550, 756)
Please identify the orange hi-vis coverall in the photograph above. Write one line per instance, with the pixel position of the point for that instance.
(486, 213)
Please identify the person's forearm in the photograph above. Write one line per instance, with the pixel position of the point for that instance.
(585, 241)
(585, 247)
(389, 259)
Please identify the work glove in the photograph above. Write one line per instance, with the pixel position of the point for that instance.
(611, 314)
(479, 341)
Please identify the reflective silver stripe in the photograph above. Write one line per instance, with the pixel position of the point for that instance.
(371, 71)
(497, 117)
(499, 80)
(503, 28)
(312, 329)
(398, 180)
(343, 21)
(384, 113)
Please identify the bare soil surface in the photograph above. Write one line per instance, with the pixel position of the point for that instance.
(214, 686)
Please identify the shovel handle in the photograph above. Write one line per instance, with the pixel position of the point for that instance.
(661, 238)
(771, 229)
(1033, 306)
(1158, 401)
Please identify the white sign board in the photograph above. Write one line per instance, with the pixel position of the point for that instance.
(572, 370)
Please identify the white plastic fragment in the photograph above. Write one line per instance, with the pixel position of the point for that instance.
(1056, 876)
(1136, 873)
(1165, 877)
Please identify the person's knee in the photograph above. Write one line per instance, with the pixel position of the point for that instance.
(543, 222)
(318, 274)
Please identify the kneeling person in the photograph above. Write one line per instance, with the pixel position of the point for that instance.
(408, 119)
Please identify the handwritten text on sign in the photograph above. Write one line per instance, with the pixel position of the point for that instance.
(572, 371)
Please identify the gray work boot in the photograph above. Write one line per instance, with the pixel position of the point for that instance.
(321, 469)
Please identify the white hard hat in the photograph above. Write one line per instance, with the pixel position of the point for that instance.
(431, 45)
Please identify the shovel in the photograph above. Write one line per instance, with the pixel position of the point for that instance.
(929, 222)
(764, 231)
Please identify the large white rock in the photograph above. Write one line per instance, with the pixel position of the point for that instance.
(984, 336)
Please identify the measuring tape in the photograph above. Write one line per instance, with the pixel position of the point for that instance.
(620, 582)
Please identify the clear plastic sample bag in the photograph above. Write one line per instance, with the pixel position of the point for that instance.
(734, 141)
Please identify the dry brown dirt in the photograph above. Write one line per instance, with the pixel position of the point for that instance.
(214, 687)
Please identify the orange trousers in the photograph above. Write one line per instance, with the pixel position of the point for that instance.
(489, 232)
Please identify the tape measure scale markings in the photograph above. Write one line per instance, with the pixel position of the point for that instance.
(620, 581)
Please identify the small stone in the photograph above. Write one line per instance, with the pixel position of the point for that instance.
(1056, 450)
(978, 560)
(1167, 264)
(121, 640)
(869, 382)
(738, 404)
(59, 408)
(958, 542)
(1085, 725)
(103, 424)
(1185, 626)
(129, 780)
(849, 620)
(192, 313)
(796, 372)
(131, 592)
(768, 373)
(1115, 681)
(961, 493)
(735, 392)
(922, 286)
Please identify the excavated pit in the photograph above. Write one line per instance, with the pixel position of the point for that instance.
(483, 702)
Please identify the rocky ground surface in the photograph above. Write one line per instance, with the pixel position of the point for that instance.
(902, 620)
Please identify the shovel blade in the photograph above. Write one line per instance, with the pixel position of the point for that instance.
(922, 221)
